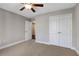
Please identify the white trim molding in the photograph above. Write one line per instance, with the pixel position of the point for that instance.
(77, 51)
(42, 42)
(50, 44)
(11, 44)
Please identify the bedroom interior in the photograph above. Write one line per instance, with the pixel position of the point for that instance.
(36, 29)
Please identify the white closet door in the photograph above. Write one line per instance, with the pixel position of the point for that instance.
(65, 30)
(60, 30)
(28, 30)
(53, 30)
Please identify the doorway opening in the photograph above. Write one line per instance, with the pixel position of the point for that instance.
(33, 31)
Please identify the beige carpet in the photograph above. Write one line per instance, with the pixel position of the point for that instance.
(30, 48)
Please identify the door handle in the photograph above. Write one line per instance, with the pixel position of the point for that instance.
(59, 32)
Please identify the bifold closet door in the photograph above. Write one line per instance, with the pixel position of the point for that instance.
(60, 30)
(65, 29)
(53, 30)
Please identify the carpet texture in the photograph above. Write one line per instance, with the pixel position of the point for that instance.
(30, 48)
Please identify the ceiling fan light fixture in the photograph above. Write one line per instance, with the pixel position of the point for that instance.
(31, 6)
(28, 6)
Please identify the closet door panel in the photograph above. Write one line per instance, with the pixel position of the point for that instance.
(65, 28)
(53, 30)
(60, 30)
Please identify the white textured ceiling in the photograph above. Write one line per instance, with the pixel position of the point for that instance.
(48, 7)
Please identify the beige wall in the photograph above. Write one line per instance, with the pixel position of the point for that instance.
(76, 25)
(12, 27)
(42, 29)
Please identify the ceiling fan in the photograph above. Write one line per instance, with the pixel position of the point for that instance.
(30, 6)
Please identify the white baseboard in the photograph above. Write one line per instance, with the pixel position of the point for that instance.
(50, 44)
(14, 43)
(41, 42)
(77, 51)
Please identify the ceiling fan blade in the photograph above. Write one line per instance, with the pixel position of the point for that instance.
(22, 8)
(38, 5)
(33, 10)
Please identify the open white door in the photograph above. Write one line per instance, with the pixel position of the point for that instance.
(28, 30)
